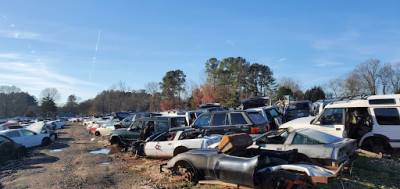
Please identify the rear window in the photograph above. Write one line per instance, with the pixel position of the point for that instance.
(179, 122)
(298, 106)
(387, 116)
(237, 119)
(256, 118)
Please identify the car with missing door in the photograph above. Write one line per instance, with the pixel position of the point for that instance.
(374, 121)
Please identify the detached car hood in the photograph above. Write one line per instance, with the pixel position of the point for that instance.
(304, 122)
(36, 127)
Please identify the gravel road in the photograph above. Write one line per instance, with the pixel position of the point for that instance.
(68, 163)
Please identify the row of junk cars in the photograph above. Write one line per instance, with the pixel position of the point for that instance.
(257, 145)
(16, 136)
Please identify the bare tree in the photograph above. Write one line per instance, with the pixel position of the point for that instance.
(9, 89)
(393, 74)
(334, 85)
(294, 85)
(368, 73)
(50, 93)
(153, 88)
(352, 85)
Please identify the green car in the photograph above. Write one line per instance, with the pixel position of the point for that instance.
(145, 127)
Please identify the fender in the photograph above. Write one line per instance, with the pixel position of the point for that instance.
(371, 134)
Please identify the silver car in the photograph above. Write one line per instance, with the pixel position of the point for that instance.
(313, 146)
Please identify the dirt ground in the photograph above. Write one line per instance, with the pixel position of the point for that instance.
(71, 165)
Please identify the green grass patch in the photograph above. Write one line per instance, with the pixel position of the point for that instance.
(369, 173)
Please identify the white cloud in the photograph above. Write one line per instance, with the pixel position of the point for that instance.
(9, 56)
(21, 35)
(230, 42)
(281, 60)
(324, 63)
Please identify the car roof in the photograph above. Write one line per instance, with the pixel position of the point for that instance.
(365, 102)
(225, 111)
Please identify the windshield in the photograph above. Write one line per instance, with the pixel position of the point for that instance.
(319, 136)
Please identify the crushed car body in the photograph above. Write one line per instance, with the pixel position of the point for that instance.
(256, 167)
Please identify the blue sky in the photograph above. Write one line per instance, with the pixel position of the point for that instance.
(53, 43)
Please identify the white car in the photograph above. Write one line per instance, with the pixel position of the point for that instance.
(374, 121)
(106, 128)
(175, 141)
(30, 138)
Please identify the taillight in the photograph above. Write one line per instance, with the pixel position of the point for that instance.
(268, 127)
(255, 130)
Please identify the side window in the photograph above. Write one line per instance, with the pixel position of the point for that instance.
(273, 112)
(301, 139)
(27, 133)
(161, 126)
(387, 116)
(2, 139)
(219, 119)
(203, 120)
(137, 125)
(237, 119)
(331, 116)
(13, 134)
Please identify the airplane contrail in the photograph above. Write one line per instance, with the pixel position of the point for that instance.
(95, 55)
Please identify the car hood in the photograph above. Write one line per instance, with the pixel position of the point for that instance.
(36, 127)
(304, 122)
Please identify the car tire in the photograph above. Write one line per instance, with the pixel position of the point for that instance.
(187, 170)
(376, 145)
(97, 133)
(46, 141)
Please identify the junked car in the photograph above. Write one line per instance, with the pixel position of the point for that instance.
(29, 138)
(237, 121)
(145, 127)
(374, 121)
(173, 142)
(106, 128)
(313, 146)
(247, 167)
(10, 149)
(297, 109)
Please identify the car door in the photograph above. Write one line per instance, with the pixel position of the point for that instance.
(31, 137)
(331, 121)
(220, 123)
(165, 147)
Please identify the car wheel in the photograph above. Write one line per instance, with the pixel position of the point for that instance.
(97, 133)
(376, 145)
(46, 141)
(284, 179)
(53, 138)
(186, 170)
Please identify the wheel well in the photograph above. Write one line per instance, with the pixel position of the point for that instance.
(180, 149)
(115, 140)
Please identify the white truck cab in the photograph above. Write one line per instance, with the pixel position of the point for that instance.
(374, 121)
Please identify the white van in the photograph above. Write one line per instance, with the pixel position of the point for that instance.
(374, 121)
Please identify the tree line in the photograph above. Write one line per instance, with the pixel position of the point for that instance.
(227, 81)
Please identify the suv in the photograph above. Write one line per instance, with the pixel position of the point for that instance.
(144, 127)
(237, 121)
(373, 121)
(297, 109)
